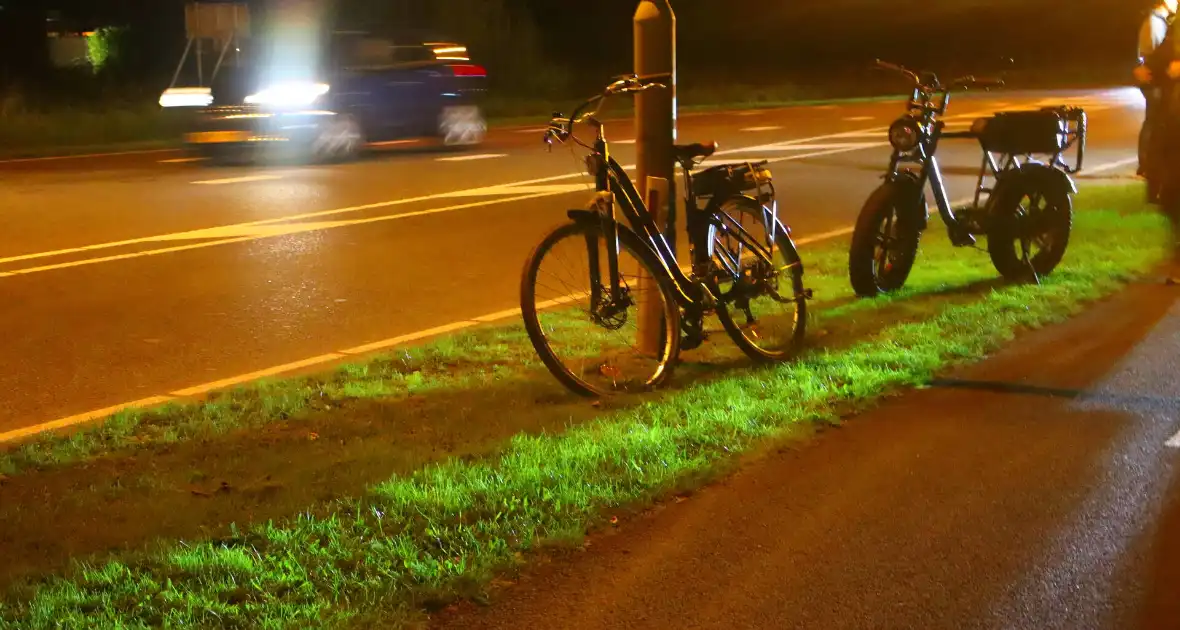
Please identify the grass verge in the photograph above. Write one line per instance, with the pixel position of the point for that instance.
(445, 528)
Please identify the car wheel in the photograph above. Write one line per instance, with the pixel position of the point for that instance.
(339, 139)
(462, 125)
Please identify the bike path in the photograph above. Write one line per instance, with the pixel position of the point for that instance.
(1023, 492)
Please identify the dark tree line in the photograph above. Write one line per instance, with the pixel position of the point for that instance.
(557, 46)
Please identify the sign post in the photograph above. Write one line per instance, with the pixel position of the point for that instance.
(655, 132)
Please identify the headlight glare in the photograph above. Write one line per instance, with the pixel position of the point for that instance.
(288, 94)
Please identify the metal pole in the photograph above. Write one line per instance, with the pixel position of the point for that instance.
(655, 132)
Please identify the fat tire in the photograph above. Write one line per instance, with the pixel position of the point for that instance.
(1002, 237)
(862, 274)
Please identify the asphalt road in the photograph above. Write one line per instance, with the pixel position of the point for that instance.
(1024, 492)
(147, 275)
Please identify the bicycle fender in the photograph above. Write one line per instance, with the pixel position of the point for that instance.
(903, 186)
(1034, 176)
(717, 201)
(582, 215)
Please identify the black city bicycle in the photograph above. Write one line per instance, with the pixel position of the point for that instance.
(744, 267)
(1026, 212)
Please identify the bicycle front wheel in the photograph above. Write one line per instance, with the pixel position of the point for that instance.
(759, 279)
(596, 341)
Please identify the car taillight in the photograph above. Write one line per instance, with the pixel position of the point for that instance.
(468, 70)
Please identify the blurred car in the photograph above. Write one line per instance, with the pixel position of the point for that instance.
(360, 89)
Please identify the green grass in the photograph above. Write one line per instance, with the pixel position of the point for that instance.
(75, 131)
(444, 530)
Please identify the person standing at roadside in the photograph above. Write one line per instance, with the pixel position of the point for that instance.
(1160, 163)
(1151, 36)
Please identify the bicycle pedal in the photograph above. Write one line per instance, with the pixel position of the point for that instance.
(692, 342)
(962, 239)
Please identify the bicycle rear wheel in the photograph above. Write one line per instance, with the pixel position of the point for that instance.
(759, 279)
(589, 340)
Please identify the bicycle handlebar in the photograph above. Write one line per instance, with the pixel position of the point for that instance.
(929, 80)
(971, 81)
(561, 128)
(885, 65)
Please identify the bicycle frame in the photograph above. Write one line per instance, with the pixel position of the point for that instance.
(615, 188)
(924, 154)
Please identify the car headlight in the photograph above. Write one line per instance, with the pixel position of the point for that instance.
(186, 97)
(288, 94)
(905, 134)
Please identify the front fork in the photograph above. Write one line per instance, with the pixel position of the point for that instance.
(692, 323)
(957, 229)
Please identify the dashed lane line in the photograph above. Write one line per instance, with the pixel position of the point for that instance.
(238, 180)
(469, 158)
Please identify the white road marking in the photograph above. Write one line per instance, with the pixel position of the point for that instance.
(872, 133)
(552, 189)
(631, 141)
(393, 143)
(89, 416)
(759, 129)
(736, 160)
(1174, 442)
(858, 118)
(1109, 166)
(823, 236)
(468, 158)
(182, 160)
(83, 156)
(205, 388)
(259, 232)
(817, 146)
(238, 180)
